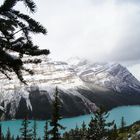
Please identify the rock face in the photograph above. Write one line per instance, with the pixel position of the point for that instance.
(108, 75)
(82, 87)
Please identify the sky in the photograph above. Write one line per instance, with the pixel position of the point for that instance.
(98, 30)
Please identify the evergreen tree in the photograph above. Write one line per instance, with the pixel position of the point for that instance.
(66, 136)
(98, 126)
(8, 135)
(76, 130)
(83, 132)
(26, 133)
(3, 137)
(34, 130)
(54, 132)
(15, 37)
(77, 133)
(46, 131)
(93, 132)
(12, 138)
(123, 124)
(70, 135)
(17, 138)
(84, 129)
(113, 135)
(0, 131)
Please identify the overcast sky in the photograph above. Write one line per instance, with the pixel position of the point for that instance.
(100, 30)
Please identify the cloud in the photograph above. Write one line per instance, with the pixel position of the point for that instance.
(96, 29)
(135, 70)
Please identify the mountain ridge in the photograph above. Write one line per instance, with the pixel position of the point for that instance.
(83, 86)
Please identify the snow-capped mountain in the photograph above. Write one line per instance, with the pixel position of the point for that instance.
(83, 86)
(109, 75)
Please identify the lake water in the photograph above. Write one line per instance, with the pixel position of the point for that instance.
(130, 113)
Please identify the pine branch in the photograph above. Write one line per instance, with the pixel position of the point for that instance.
(8, 5)
(11, 23)
(34, 26)
(30, 4)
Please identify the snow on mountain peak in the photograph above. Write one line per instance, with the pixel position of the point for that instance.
(77, 61)
(74, 73)
(76, 79)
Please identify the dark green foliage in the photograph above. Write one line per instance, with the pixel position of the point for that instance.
(34, 130)
(76, 134)
(71, 135)
(17, 138)
(13, 22)
(8, 135)
(83, 131)
(26, 132)
(3, 138)
(97, 129)
(12, 138)
(113, 134)
(66, 136)
(123, 124)
(54, 132)
(98, 126)
(46, 137)
(0, 131)
(93, 130)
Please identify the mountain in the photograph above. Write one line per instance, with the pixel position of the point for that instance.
(82, 85)
(109, 75)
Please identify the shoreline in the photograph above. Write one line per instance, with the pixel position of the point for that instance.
(68, 117)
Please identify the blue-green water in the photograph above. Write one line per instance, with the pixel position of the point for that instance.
(130, 113)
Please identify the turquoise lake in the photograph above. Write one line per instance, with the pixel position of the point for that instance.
(130, 113)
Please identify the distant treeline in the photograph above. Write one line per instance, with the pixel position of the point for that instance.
(97, 129)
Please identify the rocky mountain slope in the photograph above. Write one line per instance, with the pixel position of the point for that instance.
(109, 75)
(83, 86)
